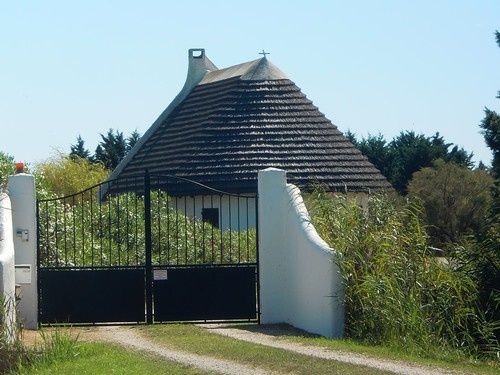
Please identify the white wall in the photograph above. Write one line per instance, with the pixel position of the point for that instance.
(300, 283)
(7, 281)
(230, 209)
(21, 190)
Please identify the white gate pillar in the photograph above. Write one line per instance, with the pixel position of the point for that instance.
(300, 283)
(21, 190)
(272, 265)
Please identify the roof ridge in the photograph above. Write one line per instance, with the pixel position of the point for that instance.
(256, 70)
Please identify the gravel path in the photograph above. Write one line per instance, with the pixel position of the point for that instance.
(129, 338)
(261, 338)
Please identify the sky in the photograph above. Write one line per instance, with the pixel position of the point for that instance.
(79, 68)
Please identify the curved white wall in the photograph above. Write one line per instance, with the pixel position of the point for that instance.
(7, 275)
(300, 283)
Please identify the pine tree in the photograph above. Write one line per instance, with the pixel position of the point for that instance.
(111, 149)
(132, 139)
(78, 150)
(490, 126)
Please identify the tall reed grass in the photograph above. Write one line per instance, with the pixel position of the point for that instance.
(398, 293)
(12, 351)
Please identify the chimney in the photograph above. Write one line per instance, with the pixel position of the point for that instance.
(198, 66)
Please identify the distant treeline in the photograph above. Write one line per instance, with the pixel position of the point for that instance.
(409, 152)
(111, 149)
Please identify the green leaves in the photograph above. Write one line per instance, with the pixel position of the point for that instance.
(397, 292)
(408, 153)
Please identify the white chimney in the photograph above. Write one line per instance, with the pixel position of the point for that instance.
(199, 65)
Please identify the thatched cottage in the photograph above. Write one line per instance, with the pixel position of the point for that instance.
(227, 124)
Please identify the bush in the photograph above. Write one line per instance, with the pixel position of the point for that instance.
(63, 175)
(86, 231)
(456, 200)
(6, 168)
(397, 293)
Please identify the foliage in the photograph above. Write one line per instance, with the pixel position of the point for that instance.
(84, 231)
(99, 358)
(78, 150)
(12, 352)
(376, 149)
(133, 139)
(64, 175)
(480, 258)
(408, 153)
(490, 126)
(397, 293)
(491, 131)
(455, 199)
(111, 149)
(6, 168)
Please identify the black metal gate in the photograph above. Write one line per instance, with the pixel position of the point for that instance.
(143, 250)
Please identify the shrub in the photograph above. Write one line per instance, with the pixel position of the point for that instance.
(86, 231)
(456, 200)
(6, 168)
(397, 293)
(63, 175)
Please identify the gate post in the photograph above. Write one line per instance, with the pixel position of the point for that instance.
(21, 190)
(147, 234)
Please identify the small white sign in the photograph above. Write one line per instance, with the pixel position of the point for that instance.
(160, 275)
(23, 273)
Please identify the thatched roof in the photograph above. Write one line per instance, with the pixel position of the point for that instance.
(234, 122)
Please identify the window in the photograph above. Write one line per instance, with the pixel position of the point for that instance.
(211, 215)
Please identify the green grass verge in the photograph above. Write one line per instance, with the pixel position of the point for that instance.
(447, 360)
(99, 358)
(198, 340)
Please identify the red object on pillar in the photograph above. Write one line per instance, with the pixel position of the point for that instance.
(19, 167)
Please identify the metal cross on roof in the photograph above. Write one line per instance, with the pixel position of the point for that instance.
(264, 53)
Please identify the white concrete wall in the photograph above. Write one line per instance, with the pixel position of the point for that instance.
(21, 190)
(230, 209)
(7, 280)
(300, 283)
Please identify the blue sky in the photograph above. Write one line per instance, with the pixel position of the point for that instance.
(72, 68)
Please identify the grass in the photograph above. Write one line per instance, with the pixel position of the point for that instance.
(397, 294)
(436, 359)
(62, 353)
(100, 358)
(198, 340)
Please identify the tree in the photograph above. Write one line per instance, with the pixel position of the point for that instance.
(490, 126)
(112, 149)
(6, 168)
(64, 175)
(132, 139)
(79, 150)
(455, 199)
(411, 152)
(351, 137)
(461, 157)
(491, 132)
(376, 149)
(407, 153)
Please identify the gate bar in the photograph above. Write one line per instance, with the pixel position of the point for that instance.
(147, 233)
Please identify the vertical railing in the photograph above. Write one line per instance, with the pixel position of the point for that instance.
(148, 248)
